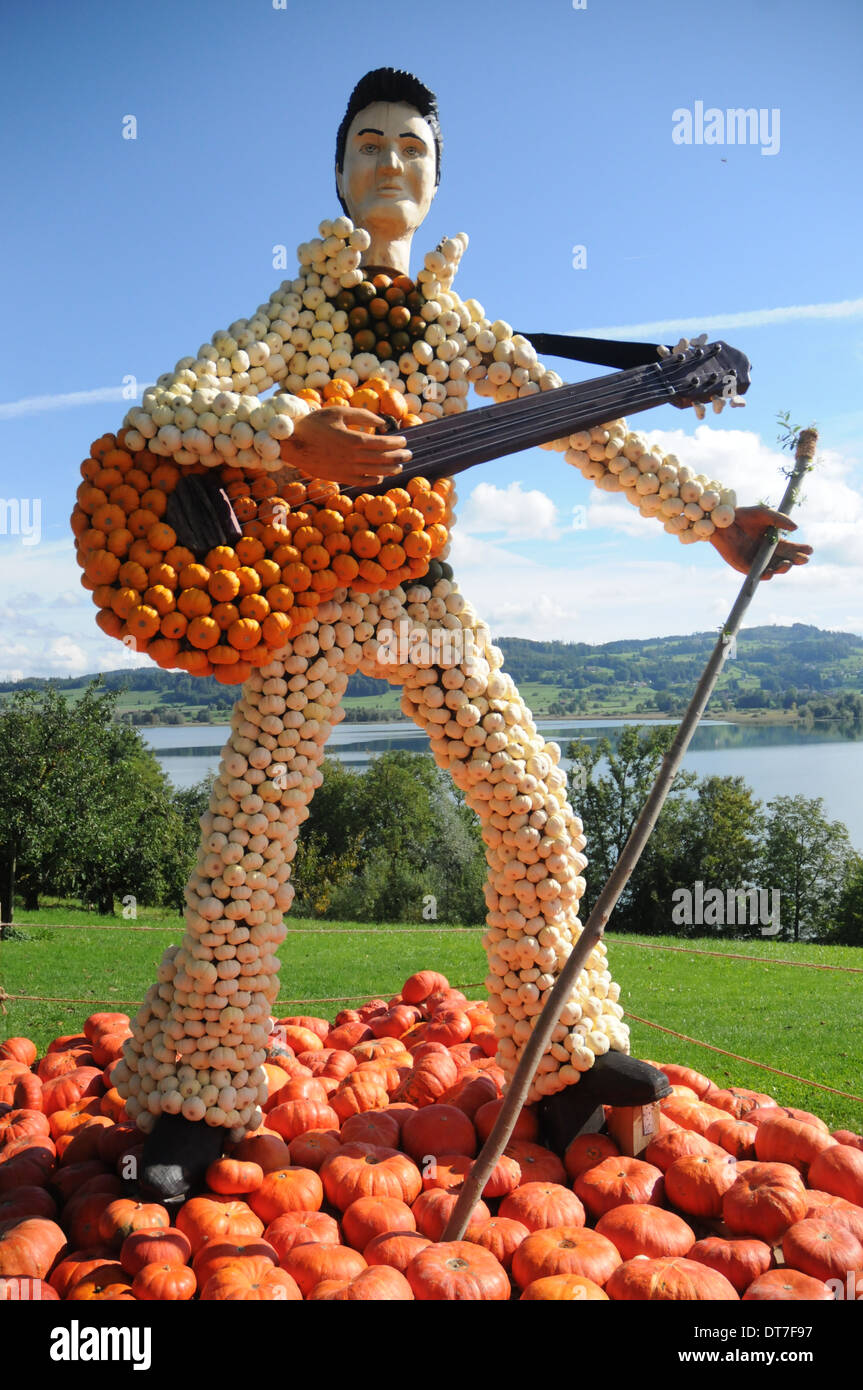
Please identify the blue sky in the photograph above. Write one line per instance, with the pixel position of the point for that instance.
(120, 256)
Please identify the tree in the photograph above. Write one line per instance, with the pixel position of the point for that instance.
(85, 808)
(849, 913)
(808, 859)
(609, 806)
(49, 752)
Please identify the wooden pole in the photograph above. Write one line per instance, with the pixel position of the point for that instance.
(540, 1038)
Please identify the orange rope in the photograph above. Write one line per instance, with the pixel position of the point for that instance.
(407, 931)
(748, 1060)
(735, 955)
(136, 1003)
(295, 931)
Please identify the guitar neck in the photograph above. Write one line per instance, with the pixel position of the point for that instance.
(440, 448)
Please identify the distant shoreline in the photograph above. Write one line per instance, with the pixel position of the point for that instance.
(765, 717)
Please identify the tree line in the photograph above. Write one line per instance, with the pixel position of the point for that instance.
(87, 813)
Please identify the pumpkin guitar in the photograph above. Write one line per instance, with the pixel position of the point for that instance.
(212, 570)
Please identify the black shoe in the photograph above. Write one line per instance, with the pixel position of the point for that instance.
(176, 1155)
(614, 1079)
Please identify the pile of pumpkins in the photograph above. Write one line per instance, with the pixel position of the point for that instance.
(345, 1190)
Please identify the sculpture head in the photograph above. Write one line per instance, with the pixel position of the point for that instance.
(388, 151)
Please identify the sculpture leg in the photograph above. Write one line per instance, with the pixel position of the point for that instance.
(483, 733)
(200, 1037)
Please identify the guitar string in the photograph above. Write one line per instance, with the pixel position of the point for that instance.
(481, 432)
(465, 432)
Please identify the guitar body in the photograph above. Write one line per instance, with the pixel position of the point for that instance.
(225, 586)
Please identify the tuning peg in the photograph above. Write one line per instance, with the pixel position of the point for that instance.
(718, 405)
(700, 340)
(737, 401)
(663, 351)
(682, 345)
(699, 410)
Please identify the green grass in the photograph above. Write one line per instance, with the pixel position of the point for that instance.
(809, 1022)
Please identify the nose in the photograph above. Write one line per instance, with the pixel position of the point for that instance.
(389, 157)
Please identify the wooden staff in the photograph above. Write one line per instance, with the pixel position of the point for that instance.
(540, 1038)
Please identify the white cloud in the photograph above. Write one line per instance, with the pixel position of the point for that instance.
(519, 515)
(748, 318)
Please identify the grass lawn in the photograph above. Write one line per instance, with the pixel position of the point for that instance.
(809, 1022)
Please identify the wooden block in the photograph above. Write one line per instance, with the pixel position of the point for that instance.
(632, 1127)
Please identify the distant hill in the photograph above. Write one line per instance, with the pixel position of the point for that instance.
(775, 668)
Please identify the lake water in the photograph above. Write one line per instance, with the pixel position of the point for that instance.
(775, 760)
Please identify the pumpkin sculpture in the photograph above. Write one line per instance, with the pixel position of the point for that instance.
(206, 545)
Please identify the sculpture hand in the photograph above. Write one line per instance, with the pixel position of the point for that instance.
(332, 443)
(738, 543)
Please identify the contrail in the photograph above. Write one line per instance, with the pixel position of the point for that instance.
(36, 405)
(749, 318)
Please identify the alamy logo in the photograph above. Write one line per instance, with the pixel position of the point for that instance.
(21, 518)
(736, 126)
(76, 1343)
(731, 907)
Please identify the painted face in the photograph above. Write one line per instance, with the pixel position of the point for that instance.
(388, 178)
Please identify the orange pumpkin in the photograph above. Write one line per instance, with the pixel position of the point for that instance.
(377, 1127)
(434, 1207)
(457, 1270)
(30, 1248)
(436, 1130)
(697, 1183)
(123, 1216)
(301, 1228)
(368, 1217)
(251, 1280)
(617, 1182)
(669, 1280)
(310, 1264)
(765, 1200)
(295, 1117)
(395, 1248)
(379, 1283)
(565, 1250)
(537, 1163)
(737, 1137)
(740, 1261)
(586, 1150)
(822, 1249)
(287, 1189)
(839, 1170)
(309, 1150)
(205, 1218)
(564, 1288)
(540, 1205)
(787, 1286)
(502, 1235)
(233, 1175)
(164, 1245)
(164, 1282)
(643, 1229)
(365, 1170)
(784, 1140)
(215, 1254)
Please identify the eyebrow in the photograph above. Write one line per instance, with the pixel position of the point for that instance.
(403, 135)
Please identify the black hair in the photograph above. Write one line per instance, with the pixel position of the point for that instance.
(389, 84)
